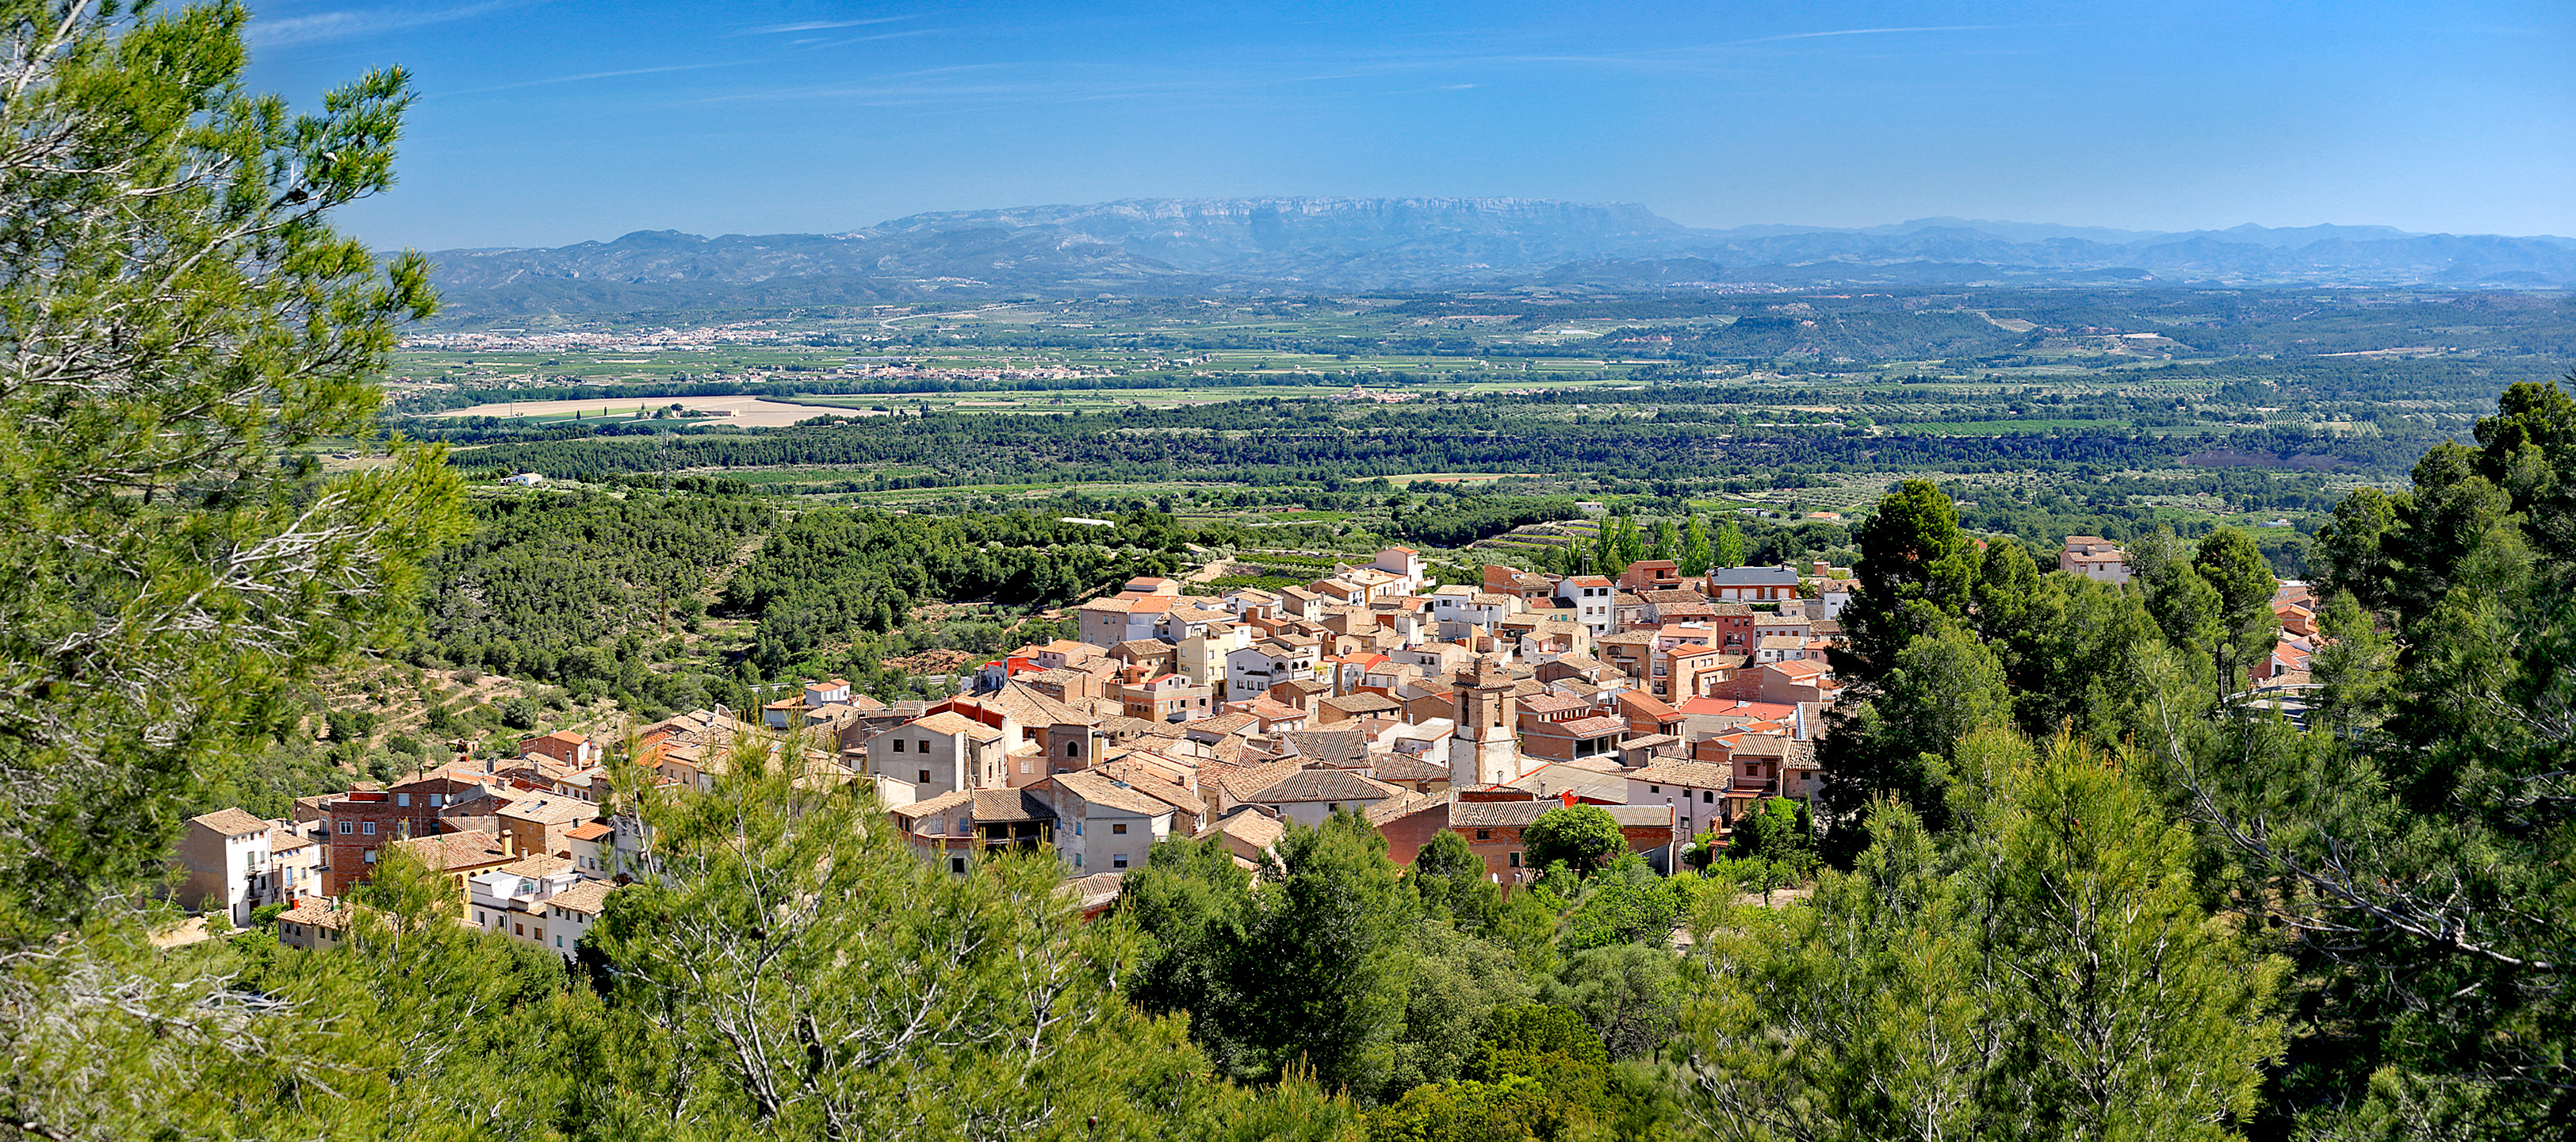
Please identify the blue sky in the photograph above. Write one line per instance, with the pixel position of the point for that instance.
(548, 123)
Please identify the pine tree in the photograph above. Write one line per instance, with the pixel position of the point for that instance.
(805, 972)
(182, 323)
(2048, 972)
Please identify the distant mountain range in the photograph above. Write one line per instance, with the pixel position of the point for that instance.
(1300, 245)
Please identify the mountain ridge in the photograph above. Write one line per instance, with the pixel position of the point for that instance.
(1280, 244)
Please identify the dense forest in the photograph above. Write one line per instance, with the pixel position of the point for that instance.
(1272, 441)
(570, 589)
(833, 576)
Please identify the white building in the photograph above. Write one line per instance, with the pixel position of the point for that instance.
(1256, 668)
(945, 752)
(1593, 598)
(1406, 564)
(542, 901)
(1469, 606)
(227, 864)
(2094, 558)
(1696, 790)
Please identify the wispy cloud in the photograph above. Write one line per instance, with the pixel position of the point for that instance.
(587, 75)
(352, 23)
(812, 43)
(815, 26)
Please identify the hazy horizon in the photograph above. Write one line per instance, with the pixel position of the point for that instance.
(715, 232)
(543, 124)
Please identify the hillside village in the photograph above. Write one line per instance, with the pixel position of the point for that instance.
(1677, 704)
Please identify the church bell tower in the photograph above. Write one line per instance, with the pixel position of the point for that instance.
(1486, 749)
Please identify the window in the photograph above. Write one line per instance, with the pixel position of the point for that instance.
(522, 928)
(1073, 749)
(559, 941)
(344, 826)
(403, 800)
(1705, 797)
(1077, 827)
(925, 777)
(478, 915)
(371, 856)
(925, 745)
(368, 828)
(1654, 789)
(1077, 860)
(437, 799)
(957, 865)
(1119, 861)
(898, 745)
(1118, 828)
(1516, 859)
(1484, 834)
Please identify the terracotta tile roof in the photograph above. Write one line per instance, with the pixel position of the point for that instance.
(1101, 790)
(537, 865)
(285, 840)
(1488, 814)
(1031, 707)
(932, 807)
(1593, 727)
(231, 822)
(1219, 724)
(1757, 745)
(1552, 704)
(1694, 774)
(1007, 805)
(1647, 705)
(1242, 781)
(589, 896)
(1403, 804)
(952, 722)
(593, 831)
(1337, 747)
(1098, 890)
(320, 913)
(443, 851)
(1362, 703)
(1309, 785)
(1255, 829)
(1407, 767)
(1147, 783)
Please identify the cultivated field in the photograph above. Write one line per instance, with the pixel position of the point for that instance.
(749, 412)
